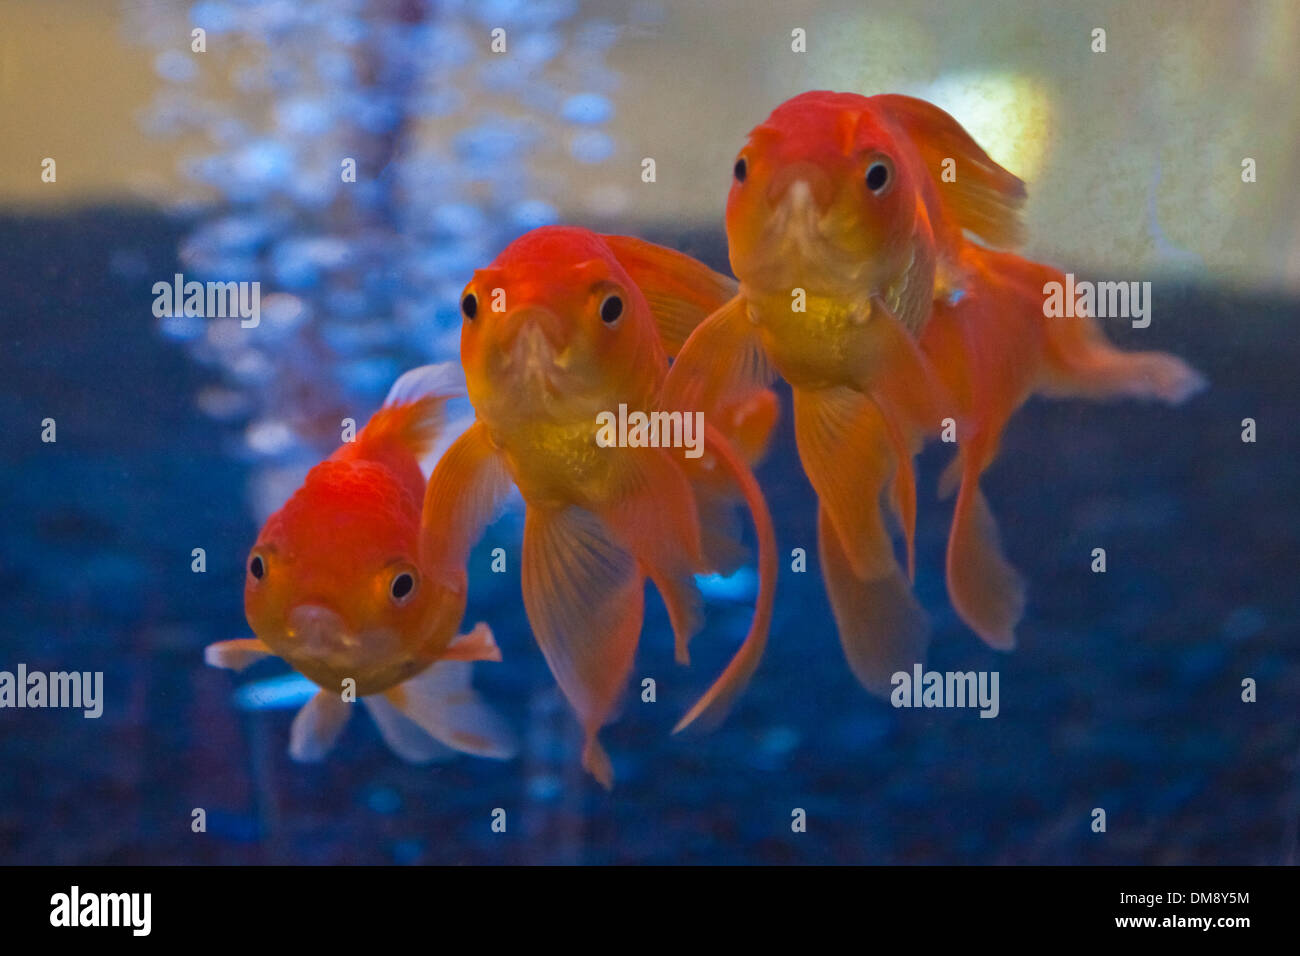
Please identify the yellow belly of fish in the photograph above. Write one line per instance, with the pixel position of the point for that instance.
(559, 464)
(830, 342)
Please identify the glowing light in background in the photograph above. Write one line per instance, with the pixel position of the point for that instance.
(1009, 114)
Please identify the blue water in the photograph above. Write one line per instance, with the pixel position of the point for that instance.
(1125, 692)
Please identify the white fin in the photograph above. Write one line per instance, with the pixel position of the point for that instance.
(477, 645)
(445, 380)
(317, 726)
(442, 701)
(404, 737)
(237, 654)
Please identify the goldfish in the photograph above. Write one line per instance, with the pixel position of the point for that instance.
(336, 587)
(876, 289)
(560, 332)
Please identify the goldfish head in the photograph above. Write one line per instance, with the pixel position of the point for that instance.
(333, 585)
(555, 328)
(821, 197)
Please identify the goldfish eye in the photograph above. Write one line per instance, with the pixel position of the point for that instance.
(469, 305)
(257, 567)
(402, 587)
(611, 309)
(740, 170)
(878, 177)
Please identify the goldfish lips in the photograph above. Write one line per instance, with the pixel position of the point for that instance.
(321, 644)
(802, 240)
(534, 358)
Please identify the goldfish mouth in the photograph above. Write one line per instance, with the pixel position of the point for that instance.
(799, 245)
(533, 362)
(319, 632)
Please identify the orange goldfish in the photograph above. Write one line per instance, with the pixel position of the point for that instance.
(564, 330)
(335, 586)
(861, 284)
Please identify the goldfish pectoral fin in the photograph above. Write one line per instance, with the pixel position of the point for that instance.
(237, 654)
(848, 457)
(317, 726)
(681, 291)
(986, 590)
(477, 645)
(403, 735)
(464, 494)
(653, 513)
(717, 700)
(882, 627)
(721, 366)
(442, 701)
(584, 593)
(983, 198)
(749, 423)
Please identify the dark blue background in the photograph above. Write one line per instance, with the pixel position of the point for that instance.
(1124, 692)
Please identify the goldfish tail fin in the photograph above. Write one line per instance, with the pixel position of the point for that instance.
(442, 702)
(236, 655)
(584, 594)
(412, 414)
(317, 726)
(984, 199)
(1080, 361)
(987, 592)
(882, 628)
(680, 290)
(717, 700)
(403, 735)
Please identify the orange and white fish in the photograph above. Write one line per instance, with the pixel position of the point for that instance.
(861, 285)
(335, 587)
(567, 326)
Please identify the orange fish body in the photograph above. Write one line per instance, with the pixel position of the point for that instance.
(993, 348)
(335, 587)
(566, 328)
(849, 247)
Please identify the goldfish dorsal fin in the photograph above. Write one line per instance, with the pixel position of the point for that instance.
(412, 414)
(444, 380)
(681, 291)
(984, 199)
